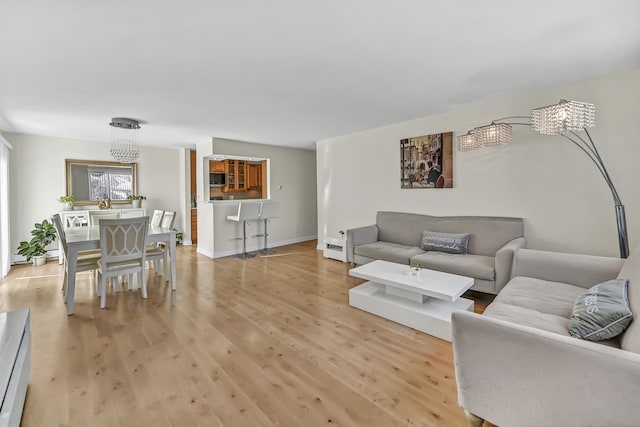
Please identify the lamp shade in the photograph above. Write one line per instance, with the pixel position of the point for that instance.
(493, 134)
(467, 142)
(565, 116)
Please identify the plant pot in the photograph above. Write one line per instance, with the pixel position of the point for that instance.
(39, 260)
(136, 204)
(67, 206)
(415, 272)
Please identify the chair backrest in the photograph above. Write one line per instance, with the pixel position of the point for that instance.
(156, 219)
(440, 181)
(62, 237)
(237, 215)
(97, 216)
(167, 219)
(123, 239)
(268, 210)
(71, 219)
(248, 211)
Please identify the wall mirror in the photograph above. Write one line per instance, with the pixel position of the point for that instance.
(90, 181)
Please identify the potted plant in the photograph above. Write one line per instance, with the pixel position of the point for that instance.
(179, 236)
(43, 235)
(68, 202)
(415, 269)
(136, 201)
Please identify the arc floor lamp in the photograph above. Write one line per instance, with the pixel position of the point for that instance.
(565, 119)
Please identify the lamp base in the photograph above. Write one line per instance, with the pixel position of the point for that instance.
(623, 239)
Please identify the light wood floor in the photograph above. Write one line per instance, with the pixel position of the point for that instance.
(262, 342)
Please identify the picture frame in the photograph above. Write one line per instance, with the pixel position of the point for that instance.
(427, 161)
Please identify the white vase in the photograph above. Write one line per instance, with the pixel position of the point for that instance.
(39, 260)
(67, 206)
(136, 204)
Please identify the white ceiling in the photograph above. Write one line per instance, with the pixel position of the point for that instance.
(289, 72)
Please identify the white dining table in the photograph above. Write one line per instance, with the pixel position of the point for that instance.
(85, 238)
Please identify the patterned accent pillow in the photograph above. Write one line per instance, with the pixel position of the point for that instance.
(445, 242)
(602, 312)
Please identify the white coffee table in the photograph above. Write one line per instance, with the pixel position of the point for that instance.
(423, 302)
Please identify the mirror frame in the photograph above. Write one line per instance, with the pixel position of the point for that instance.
(134, 172)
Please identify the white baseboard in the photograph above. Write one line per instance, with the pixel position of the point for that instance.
(19, 259)
(204, 252)
(252, 248)
(187, 243)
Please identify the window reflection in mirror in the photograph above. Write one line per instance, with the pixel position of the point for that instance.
(91, 181)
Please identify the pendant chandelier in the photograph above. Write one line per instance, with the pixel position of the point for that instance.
(125, 139)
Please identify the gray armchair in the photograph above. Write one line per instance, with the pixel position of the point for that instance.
(516, 365)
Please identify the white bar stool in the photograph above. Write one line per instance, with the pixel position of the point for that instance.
(268, 210)
(246, 212)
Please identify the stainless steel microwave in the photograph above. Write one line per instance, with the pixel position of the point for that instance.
(217, 179)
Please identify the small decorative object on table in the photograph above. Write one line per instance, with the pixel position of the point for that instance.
(415, 269)
(68, 202)
(136, 201)
(43, 234)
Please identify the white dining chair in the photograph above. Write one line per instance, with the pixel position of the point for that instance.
(168, 219)
(122, 246)
(157, 253)
(246, 212)
(156, 219)
(87, 260)
(97, 216)
(74, 219)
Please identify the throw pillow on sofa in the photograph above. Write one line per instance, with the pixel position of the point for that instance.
(445, 242)
(602, 312)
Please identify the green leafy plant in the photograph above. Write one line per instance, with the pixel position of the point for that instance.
(416, 265)
(67, 199)
(43, 235)
(179, 235)
(134, 197)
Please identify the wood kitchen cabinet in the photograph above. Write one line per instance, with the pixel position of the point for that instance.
(236, 176)
(217, 167)
(194, 226)
(254, 181)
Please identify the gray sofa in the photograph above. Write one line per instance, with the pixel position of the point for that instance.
(517, 365)
(396, 237)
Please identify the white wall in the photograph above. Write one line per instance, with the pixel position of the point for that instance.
(544, 179)
(205, 209)
(38, 177)
(293, 185)
(184, 176)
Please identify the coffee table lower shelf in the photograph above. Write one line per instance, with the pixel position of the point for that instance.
(433, 316)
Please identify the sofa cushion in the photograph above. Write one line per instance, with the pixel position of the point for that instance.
(528, 317)
(476, 266)
(541, 295)
(602, 312)
(387, 251)
(535, 319)
(452, 243)
(631, 271)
